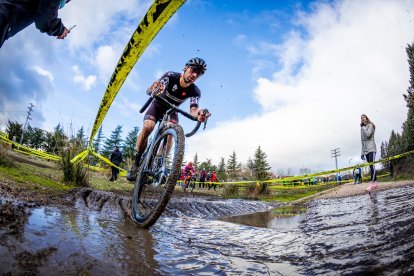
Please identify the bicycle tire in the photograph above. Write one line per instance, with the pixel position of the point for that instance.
(151, 197)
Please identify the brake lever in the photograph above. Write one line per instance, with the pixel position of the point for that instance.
(205, 112)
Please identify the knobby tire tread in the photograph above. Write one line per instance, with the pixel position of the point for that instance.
(172, 179)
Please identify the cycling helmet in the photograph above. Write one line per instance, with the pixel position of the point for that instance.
(198, 63)
(190, 164)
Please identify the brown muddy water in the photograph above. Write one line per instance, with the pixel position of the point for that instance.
(359, 235)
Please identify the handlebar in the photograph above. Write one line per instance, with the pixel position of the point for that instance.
(176, 109)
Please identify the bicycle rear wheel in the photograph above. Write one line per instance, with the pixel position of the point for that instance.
(158, 176)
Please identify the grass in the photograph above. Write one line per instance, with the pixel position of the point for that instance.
(289, 210)
(35, 173)
(33, 177)
(100, 181)
(289, 194)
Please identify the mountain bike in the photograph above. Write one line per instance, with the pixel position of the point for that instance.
(160, 165)
(189, 184)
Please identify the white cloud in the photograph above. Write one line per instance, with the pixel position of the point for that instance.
(44, 73)
(351, 61)
(86, 82)
(106, 60)
(95, 20)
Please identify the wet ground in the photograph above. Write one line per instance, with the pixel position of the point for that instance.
(348, 236)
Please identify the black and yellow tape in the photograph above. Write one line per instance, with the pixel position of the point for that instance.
(155, 18)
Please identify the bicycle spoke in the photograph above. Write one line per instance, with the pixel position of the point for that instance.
(158, 176)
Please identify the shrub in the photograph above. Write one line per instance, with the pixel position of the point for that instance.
(251, 190)
(5, 160)
(264, 189)
(73, 173)
(230, 190)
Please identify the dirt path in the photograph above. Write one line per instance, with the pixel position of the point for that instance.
(350, 189)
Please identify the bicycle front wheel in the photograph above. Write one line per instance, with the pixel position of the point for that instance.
(158, 176)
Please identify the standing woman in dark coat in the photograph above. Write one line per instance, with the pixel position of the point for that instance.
(369, 148)
(15, 15)
(116, 159)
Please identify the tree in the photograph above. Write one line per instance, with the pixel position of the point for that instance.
(407, 134)
(129, 146)
(14, 129)
(113, 140)
(55, 141)
(232, 165)
(36, 136)
(208, 165)
(195, 162)
(261, 167)
(250, 166)
(80, 139)
(304, 171)
(221, 171)
(96, 144)
(408, 125)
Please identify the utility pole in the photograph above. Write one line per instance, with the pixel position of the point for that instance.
(335, 153)
(27, 120)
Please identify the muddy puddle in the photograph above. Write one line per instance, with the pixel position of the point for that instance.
(356, 235)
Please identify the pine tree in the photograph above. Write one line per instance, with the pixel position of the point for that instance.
(195, 162)
(96, 144)
(208, 165)
(408, 126)
(250, 166)
(397, 143)
(221, 172)
(14, 129)
(232, 165)
(55, 141)
(36, 137)
(261, 167)
(80, 138)
(130, 144)
(114, 139)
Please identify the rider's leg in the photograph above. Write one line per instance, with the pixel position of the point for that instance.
(142, 139)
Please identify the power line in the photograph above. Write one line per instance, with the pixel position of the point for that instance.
(27, 120)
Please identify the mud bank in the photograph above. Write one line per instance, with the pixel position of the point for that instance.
(27, 248)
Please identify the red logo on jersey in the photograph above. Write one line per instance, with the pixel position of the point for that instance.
(183, 94)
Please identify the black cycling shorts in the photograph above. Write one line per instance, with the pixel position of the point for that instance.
(156, 111)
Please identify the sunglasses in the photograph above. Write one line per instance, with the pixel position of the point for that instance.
(196, 70)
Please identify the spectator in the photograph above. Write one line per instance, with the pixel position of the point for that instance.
(213, 179)
(116, 159)
(15, 15)
(203, 176)
(369, 148)
(357, 172)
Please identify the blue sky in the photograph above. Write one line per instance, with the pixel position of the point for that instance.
(291, 76)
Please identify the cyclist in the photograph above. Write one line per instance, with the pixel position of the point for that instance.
(176, 88)
(189, 172)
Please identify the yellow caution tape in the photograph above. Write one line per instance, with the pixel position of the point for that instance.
(107, 161)
(155, 18)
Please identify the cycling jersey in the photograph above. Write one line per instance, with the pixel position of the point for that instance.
(189, 170)
(173, 93)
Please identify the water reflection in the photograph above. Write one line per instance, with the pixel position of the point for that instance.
(284, 217)
(357, 235)
(91, 242)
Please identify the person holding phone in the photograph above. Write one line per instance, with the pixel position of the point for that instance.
(369, 148)
(16, 15)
